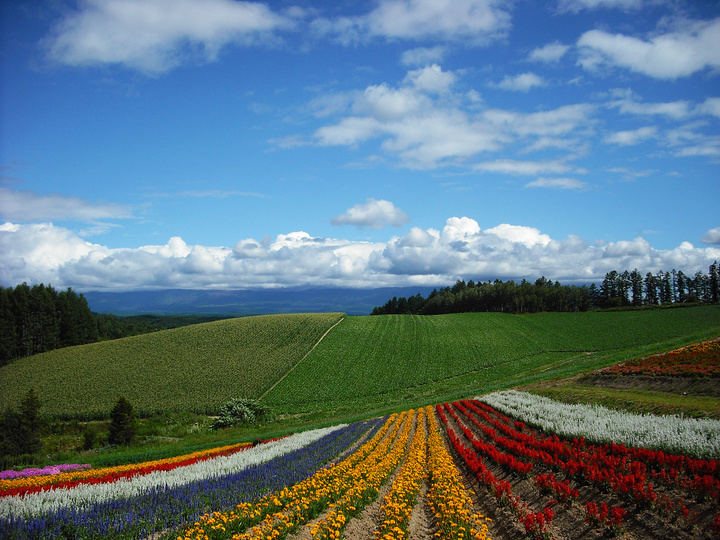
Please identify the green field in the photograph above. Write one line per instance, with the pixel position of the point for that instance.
(401, 361)
(365, 364)
(194, 368)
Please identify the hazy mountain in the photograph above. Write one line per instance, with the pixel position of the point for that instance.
(246, 302)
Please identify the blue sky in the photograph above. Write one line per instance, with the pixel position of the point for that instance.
(225, 144)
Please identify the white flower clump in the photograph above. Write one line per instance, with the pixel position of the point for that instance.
(678, 435)
(35, 504)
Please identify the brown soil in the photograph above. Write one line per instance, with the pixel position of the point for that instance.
(696, 386)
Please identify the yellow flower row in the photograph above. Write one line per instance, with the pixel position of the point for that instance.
(121, 469)
(277, 514)
(364, 484)
(400, 500)
(447, 496)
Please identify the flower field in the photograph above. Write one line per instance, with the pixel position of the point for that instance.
(466, 469)
(698, 360)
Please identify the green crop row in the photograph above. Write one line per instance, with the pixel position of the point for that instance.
(194, 368)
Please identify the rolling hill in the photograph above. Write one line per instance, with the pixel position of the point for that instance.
(363, 364)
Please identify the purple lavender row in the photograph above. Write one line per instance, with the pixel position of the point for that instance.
(50, 469)
(163, 509)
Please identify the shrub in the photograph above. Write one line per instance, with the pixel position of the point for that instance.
(239, 411)
(122, 423)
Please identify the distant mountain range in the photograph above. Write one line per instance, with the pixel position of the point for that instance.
(246, 302)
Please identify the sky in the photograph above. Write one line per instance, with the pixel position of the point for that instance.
(151, 144)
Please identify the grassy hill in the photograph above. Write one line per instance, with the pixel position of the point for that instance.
(364, 364)
(194, 368)
(400, 361)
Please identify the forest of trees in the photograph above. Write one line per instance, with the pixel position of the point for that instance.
(39, 318)
(618, 290)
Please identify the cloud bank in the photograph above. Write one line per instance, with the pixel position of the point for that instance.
(460, 249)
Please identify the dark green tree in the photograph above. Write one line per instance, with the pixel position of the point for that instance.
(636, 285)
(123, 423)
(714, 278)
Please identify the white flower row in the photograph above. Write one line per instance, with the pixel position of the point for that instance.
(678, 435)
(35, 504)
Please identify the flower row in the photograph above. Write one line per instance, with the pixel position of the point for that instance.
(536, 524)
(400, 500)
(699, 438)
(699, 360)
(50, 469)
(140, 506)
(34, 483)
(447, 496)
(279, 512)
(607, 468)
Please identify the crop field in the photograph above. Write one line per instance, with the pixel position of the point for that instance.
(194, 368)
(457, 470)
(371, 362)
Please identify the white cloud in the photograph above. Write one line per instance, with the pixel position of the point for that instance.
(522, 83)
(552, 52)
(578, 5)
(711, 106)
(524, 168)
(451, 20)
(712, 236)
(23, 205)
(431, 79)
(471, 22)
(425, 124)
(373, 214)
(154, 36)
(517, 234)
(667, 56)
(423, 56)
(628, 103)
(631, 137)
(557, 183)
(461, 249)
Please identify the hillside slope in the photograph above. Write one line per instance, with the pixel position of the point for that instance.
(391, 361)
(194, 368)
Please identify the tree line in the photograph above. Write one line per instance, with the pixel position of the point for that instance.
(617, 290)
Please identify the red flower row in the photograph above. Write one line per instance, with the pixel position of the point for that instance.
(699, 360)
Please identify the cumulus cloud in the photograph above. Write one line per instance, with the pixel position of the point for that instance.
(154, 36)
(425, 124)
(372, 214)
(26, 205)
(431, 79)
(681, 53)
(472, 22)
(522, 83)
(712, 236)
(460, 249)
(557, 183)
(552, 52)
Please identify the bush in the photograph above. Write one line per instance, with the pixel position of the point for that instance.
(239, 411)
(122, 423)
